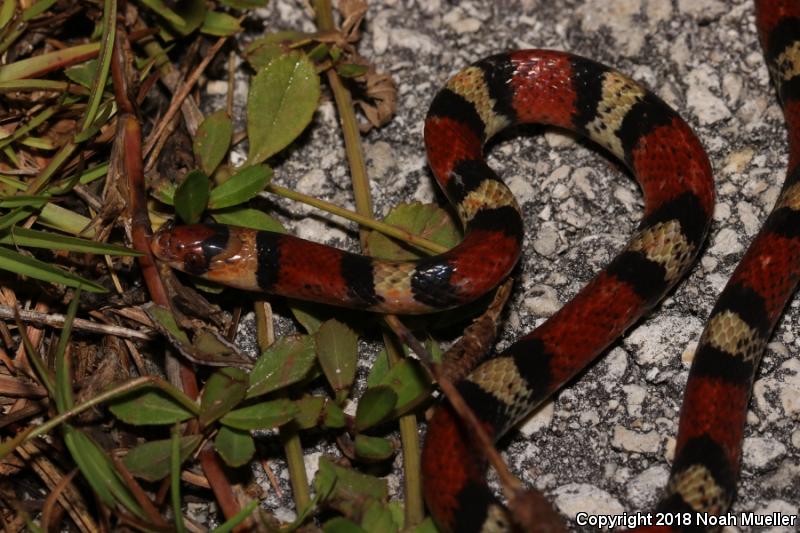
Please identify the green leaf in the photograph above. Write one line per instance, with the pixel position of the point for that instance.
(341, 524)
(37, 9)
(175, 478)
(24, 237)
(18, 214)
(248, 217)
(55, 216)
(83, 73)
(397, 509)
(93, 174)
(309, 314)
(337, 351)
(98, 470)
(151, 460)
(220, 24)
(315, 410)
(212, 140)
(426, 220)
(89, 124)
(378, 517)
(240, 187)
(161, 9)
(351, 70)
(64, 186)
(28, 266)
(164, 320)
(374, 406)
(287, 361)
(378, 369)
(149, 407)
(318, 53)
(184, 17)
(46, 376)
(42, 63)
(263, 415)
(223, 391)
(410, 383)
(191, 197)
(206, 345)
(345, 489)
(24, 200)
(283, 97)
(236, 447)
(164, 191)
(64, 398)
(24, 131)
(211, 344)
(261, 51)
(373, 449)
(8, 180)
(7, 9)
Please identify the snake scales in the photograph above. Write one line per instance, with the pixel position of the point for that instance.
(673, 171)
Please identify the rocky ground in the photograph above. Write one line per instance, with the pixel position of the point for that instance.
(603, 445)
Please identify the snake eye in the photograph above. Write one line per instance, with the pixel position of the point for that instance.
(195, 263)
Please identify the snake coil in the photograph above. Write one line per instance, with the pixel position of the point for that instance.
(670, 165)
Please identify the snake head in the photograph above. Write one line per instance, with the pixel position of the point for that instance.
(197, 249)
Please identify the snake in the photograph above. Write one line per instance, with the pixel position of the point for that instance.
(669, 163)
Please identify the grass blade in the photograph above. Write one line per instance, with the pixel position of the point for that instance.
(106, 48)
(64, 398)
(175, 478)
(42, 239)
(44, 63)
(28, 266)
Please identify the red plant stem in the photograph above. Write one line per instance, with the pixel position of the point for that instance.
(129, 133)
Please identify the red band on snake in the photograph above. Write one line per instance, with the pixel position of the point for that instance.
(669, 163)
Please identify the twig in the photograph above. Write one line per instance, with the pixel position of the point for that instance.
(365, 221)
(511, 485)
(138, 493)
(195, 479)
(181, 93)
(69, 497)
(16, 388)
(49, 507)
(214, 472)
(57, 321)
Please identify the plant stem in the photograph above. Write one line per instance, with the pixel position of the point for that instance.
(409, 440)
(352, 135)
(292, 446)
(414, 506)
(367, 221)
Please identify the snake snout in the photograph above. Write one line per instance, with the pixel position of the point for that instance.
(189, 248)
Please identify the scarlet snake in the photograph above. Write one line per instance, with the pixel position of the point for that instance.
(771, 306)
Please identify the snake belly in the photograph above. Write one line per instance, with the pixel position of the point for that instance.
(530, 86)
